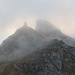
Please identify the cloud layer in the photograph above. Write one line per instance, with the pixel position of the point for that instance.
(13, 14)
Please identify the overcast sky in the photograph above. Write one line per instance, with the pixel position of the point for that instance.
(13, 14)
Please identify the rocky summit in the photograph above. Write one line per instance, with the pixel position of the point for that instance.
(43, 51)
(55, 58)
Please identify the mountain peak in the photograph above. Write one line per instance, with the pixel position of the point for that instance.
(45, 24)
(28, 52)
(25, 24)
(47, 29)
(52, 32)
(23, 42)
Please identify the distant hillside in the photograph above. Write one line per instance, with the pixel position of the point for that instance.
(52, 32)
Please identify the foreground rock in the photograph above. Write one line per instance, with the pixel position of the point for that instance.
(55, 58)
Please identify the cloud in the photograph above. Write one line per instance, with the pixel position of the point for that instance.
(18, 22)
(2, 7)
(13, 14)
(65, 22)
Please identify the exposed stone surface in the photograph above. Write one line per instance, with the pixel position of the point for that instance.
(38, 52)
(55, 58)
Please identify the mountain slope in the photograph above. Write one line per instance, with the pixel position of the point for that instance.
(55, 58)
(52, 32)
(37, 52)
(24, 41)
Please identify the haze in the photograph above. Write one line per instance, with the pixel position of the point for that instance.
(13, 14)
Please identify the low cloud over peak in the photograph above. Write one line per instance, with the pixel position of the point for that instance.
(59, 12)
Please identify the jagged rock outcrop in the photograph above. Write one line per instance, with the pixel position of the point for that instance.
(55, 58)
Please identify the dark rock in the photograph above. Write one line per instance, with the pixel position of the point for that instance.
(55, 58)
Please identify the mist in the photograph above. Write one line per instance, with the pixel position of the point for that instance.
(26, 40)
(22, 43)
(14, 13)
(52, 32)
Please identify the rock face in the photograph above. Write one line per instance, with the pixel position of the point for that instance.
(31, 52)
(24, 41)
(52, 32)
(55, 58)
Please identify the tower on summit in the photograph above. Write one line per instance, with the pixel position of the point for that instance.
(25, 24)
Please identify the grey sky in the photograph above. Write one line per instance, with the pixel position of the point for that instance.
(13, 13)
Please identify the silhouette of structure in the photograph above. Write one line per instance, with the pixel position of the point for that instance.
(25, 24)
